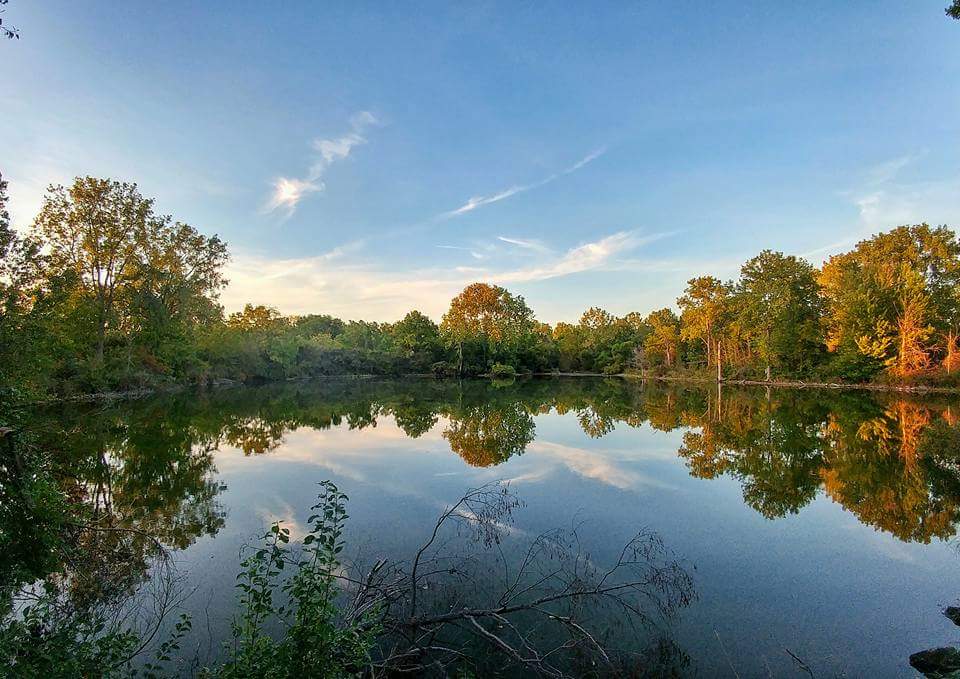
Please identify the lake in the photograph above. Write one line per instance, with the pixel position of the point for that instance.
(819, 522)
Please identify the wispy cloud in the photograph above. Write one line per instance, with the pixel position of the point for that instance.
(526, 244)
(289, 191)
(883, 201)
(586, 257)
(473, 252)
(479, 201)
(332, 283)
(887, 171)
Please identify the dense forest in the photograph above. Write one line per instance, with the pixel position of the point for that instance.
(101, 292)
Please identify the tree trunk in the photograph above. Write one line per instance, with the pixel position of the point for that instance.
(768, 373)
(101, 339)
(951, 359)
(719, 364)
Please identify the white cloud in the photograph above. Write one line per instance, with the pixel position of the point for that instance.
(479, 201)
(526, 244)
(289, 191)
(884, 201)
(593, 464)
(886, 171)
(331, 283)
(586, 257)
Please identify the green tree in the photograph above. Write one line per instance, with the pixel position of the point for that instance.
(664, 338)
(91, 230)
(893, 300)
(489, 317)
(705, 306)
(177, 279)
(568, 340)
(23, 338)
(778, 308)
(418, 339)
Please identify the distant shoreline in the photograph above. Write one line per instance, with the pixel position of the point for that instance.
(780, 384)
(134, 394)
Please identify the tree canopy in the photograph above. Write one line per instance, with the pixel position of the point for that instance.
(103, 292)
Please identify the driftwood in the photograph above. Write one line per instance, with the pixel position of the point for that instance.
(548, 612)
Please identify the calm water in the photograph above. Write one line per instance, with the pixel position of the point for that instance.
(822, 522)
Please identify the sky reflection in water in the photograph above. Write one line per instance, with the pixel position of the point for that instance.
(821, 522)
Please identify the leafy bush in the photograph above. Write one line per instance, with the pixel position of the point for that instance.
(44, 641)
(315, 642)
(612, 369)
(850, 367)
(443, 369)
(501, 371)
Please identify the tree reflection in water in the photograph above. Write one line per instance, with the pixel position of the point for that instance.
(892, 460)
(145, 470)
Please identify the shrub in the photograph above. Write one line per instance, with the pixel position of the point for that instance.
(612, 369)
(502, 371)
(443, 369)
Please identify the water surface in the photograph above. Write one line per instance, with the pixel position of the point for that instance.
(816, 521)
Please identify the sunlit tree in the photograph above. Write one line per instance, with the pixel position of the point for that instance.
(705, 305)
(894, 298)
(777, 306)
(664, 338)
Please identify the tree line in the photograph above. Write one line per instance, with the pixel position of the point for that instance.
(102, 292)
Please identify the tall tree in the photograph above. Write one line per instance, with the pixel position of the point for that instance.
(418, 339)
(894, 298)
(778, 307)
(91, 230)
(176, 281)
(705, 304)
(664, 338)
(490, 316)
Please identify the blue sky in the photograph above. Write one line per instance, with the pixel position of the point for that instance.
(364, 159)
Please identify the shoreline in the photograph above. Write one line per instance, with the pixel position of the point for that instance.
(799, 384)
(144, 392)
(780, 384)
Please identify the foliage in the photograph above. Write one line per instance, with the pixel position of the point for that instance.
(105, 294)
(33, 513)
(47, 640)
(894, 298)
(777, 306)
(663, 342)
(705, 307)
(313, 642)
(486, 325)
(499, 370)
(8, 31)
